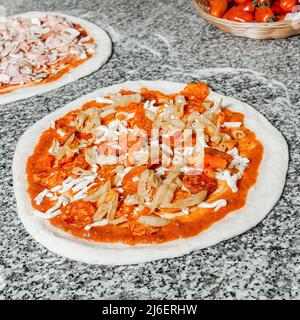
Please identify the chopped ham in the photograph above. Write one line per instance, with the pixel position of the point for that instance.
(33, 49)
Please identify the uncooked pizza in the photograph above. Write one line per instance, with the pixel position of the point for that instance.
(150, 165)
(38, 50)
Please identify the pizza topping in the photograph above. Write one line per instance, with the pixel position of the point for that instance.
(216, 205)
(232, 124)
(196, 91)
(131, 180)
(172, 215)
(154, 221)
(198, 182)
(53, 211)
(238, 163)
(78, 214)
(40, 197)
(124, 100)
(35, 49)
(190, 201)
(99, 169)
(100, 223)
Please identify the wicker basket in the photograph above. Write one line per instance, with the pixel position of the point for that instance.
(272, 30)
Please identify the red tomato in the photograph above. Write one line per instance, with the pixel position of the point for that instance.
(276, 8)
(288, 5)
(238, 15)
(218, 8)
(247, 6)
(264, 14)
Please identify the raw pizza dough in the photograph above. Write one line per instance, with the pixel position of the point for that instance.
(261, 198)
(103, 52)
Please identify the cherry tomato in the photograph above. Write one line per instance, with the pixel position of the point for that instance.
(276, 8)
(288, 5)
(218, 8)
(264, 14)
(247, 6)
(238, 15)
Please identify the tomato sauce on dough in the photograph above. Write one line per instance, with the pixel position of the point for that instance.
(132, 232)
(69, 63)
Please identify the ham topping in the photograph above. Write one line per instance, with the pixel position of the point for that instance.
(31, 50)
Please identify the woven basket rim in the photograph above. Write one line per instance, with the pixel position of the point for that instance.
(251, 25)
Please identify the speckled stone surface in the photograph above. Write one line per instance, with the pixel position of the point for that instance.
(160, 39)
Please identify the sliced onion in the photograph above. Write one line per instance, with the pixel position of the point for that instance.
(132, 200)
(193, 116)
(107, 112)
(207, 104)
(113, 204)
(101, 193)
(118, 221)
(168, 196)
(90, 156)
(173, 173)
(177, 123)
(154, 221)
(187, 202)
(101, 212)
(158, 197)
(124, 100)
(142, 182)
(80, 121)
(180, 100)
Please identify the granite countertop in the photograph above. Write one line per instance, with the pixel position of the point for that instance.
(165, 39)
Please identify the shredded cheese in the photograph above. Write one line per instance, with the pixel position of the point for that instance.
(232, 124)
(100, 223)
(216, 204)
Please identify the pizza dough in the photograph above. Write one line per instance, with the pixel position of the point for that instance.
(261, 198)
(103, 52)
